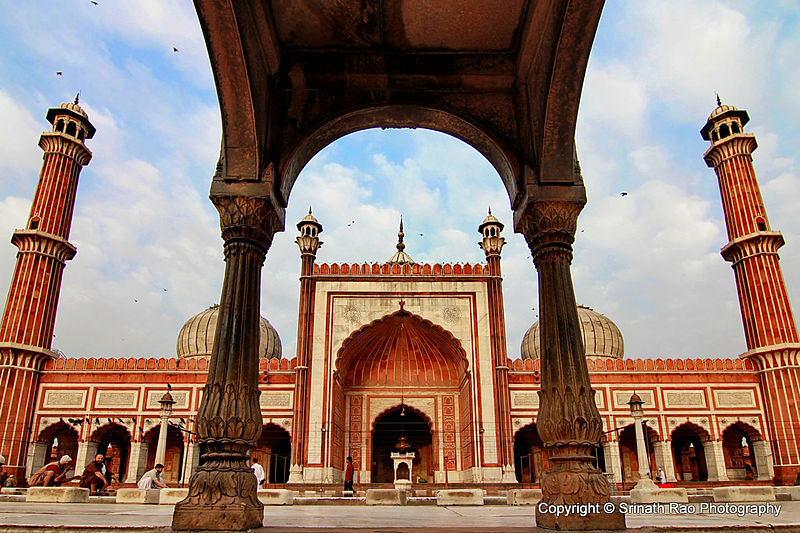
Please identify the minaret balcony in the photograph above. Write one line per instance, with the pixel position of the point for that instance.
(752, 244)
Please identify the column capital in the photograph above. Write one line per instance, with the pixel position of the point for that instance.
(549, 224)
(250, 219)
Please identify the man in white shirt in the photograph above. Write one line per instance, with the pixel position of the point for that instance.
(258, 470)
(152, 479)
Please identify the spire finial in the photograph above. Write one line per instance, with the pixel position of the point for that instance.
(309, 210)
(719, 102)
(400, 235)
(77, 97)
(490, 210)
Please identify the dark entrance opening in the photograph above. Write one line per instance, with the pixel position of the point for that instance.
(401, 421)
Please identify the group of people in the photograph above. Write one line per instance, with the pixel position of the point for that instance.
(96, 476)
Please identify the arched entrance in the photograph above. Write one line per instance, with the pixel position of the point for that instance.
(404, 356)
(689, 452)
(388, 428)
(173, 456)
(530, 461)
(273, 452)
(629, 455)
(739, 452)
(114, 442)
(59, 439)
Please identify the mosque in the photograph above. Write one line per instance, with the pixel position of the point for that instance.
(409, 352)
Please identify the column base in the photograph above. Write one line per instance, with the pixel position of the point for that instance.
(509, 476)
(232, 517)
(295, 474)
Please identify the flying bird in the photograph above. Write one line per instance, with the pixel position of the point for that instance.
(165, 290)
(95, 3)
(135, 300)
(174, 49)
(421, 234)
(59, 73)
(623, 193)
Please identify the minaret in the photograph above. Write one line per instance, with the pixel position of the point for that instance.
(769, 326)
(26, 330)
(492, 245)
(309, 243)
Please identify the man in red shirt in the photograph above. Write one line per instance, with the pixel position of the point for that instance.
(54, 473)
(348, 476)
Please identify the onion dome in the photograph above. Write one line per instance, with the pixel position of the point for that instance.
(601, 337)
(196, 338)
(400, 257)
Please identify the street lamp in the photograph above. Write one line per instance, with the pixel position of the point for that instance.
(636, 404)
(166, 402)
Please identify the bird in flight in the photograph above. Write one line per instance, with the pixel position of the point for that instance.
(623, 193)
(174, 49)
(95, 3)
(58, 73)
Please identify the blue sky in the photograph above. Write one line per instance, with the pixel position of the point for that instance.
(649, 260)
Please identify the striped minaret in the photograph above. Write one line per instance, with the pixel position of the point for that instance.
(769, 327)
(26, 331)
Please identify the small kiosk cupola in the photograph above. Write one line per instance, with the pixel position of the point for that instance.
(724, 122)
(71, 120)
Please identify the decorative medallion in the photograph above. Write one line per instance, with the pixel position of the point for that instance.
(352, 314)
(451, 315)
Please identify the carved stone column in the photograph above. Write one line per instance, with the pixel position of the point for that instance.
(568, 422)
(222, 491)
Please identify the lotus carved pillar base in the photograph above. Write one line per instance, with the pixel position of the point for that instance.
(222, 492)
(569, 423)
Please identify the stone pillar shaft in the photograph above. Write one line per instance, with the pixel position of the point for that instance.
(568, 421)
(613, 464)
(715, 460)
(641, 448)
(161, 447)
(663, 457)
(223, 492)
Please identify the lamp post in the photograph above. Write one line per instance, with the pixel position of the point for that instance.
(166, 402)
(635, 404)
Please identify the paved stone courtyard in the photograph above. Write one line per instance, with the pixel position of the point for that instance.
(102, 517)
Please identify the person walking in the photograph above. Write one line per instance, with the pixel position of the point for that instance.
(348, 476)
(258, 470)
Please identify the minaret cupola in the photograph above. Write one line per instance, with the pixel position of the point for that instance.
(309, 228)
(723, 122)
(490, 228)
(71, 120)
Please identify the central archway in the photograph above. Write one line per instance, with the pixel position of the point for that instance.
(397, 422)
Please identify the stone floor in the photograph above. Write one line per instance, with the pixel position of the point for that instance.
(102, 518)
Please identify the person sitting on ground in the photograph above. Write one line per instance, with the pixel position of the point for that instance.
(3, 475)
(53, 474)
(96, 476)
(152, 479)
(11, 482)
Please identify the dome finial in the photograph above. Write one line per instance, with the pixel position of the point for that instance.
(77, 97)
(309, 210)
(400, 235)
(490, 210)
(719, 102)
(400, 256)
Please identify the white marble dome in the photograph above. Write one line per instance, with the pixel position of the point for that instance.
(196, 338)
(601, 337)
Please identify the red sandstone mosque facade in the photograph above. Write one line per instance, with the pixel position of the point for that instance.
(406, 350)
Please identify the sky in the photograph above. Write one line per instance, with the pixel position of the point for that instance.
(149, 251)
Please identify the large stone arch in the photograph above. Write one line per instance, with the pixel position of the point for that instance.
(284, 70)
(745, 453)
(54, 440)
(113, 441)
(493, 149)
(690, 445)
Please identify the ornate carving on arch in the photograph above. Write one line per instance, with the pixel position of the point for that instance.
(283, 423)
(402, 341)
(103, 429)
(750, 426)
(696, 424)
(50, 426)
(419, 410)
